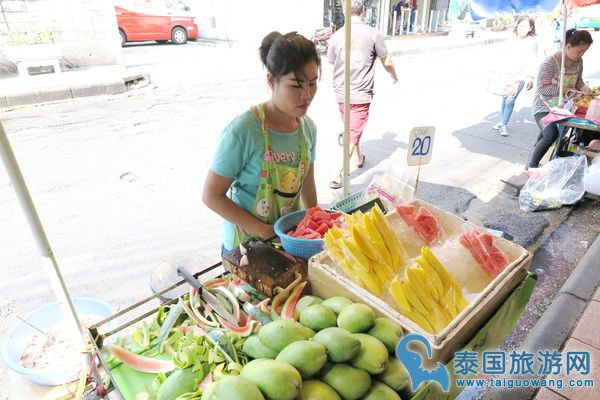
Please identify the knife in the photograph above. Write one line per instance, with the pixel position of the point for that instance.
(210, 298)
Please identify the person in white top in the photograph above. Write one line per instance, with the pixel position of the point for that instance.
(520, 62)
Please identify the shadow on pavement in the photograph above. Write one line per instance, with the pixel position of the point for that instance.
(377, 150)
(515, 147)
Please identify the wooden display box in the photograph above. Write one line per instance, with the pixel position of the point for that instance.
(327, 280)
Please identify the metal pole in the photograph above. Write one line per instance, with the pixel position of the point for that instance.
(41, 240)
(346, 141)
(437, 19)
(394, 23)
(401, 21)
(414, 25)
(424, 22)
(562, 52)
(430, 20)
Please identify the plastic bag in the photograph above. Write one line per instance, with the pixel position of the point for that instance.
(557, 183)
(502, 84)
(592, 177)
(392, 190)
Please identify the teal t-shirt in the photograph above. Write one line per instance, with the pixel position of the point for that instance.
(239, 155)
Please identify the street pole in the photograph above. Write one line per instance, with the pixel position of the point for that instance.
(401, 21)
(49, 262)
(424, 21)
(346, 139)
(562, 52)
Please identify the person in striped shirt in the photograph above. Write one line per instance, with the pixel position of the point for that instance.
(548, 83)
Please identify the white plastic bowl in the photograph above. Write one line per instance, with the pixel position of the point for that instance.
(44, 318)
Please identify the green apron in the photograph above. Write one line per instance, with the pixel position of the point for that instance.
(279, 185)
(569, 79)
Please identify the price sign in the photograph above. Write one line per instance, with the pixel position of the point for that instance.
(420, 145)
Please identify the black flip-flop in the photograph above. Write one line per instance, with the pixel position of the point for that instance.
(362, 163)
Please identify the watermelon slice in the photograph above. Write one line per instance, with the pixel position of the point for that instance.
(481, 245)
(140, 363)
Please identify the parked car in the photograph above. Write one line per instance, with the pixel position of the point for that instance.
(587, 17)
(466, 28)
(160, 25)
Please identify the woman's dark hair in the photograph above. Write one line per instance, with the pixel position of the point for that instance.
(282, 54)
(531, 25)
(575, 37)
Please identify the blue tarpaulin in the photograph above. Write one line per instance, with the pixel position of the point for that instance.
(480, 9)
(490, 8)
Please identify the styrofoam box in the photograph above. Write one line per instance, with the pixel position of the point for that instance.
(327, 280)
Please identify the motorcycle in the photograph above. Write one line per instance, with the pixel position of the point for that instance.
(321, 37)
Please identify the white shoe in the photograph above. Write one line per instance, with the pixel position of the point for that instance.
(503, 130)
(497, 126)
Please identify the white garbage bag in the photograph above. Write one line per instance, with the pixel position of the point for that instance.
(557, 183)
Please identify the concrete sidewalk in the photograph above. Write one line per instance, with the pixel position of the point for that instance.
(71, 84)
(571, 323)
(93, 81)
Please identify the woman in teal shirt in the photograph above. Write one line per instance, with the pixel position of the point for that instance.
(264, 162)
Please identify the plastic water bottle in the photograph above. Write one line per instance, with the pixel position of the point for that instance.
(580, 148)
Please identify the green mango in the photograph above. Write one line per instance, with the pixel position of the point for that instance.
(395, 375)
(179, 382)
(317, 317)
(341, 345)
(231, 387)
(351, 383)
(388, 331)
(304, 302)
(278, 334)
(372, 356)
(317, 390)
(336, 303)
(275, 379)
(356, 318)
(380, 391)
(255, 349)
(306, 356)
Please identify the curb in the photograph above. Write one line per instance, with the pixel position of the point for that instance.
(560, 319)
(443, 47)
(20, 97)
(62, 92)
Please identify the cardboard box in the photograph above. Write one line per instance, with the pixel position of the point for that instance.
(327, 280)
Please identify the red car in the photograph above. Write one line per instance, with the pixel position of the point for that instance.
(155, 24)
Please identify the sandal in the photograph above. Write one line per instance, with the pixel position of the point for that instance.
(335, 184)
(362, 163)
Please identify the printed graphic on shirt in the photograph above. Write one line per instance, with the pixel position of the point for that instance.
(262, 208)
(288, 157)
(288, 185)
(286, 208)
(356, 55)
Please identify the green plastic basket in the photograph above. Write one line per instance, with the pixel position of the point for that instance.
(358, 201)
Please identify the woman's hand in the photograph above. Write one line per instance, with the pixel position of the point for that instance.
(585, 89)
(266, 231)
(529, 84)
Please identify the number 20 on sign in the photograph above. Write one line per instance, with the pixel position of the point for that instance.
(420, 145)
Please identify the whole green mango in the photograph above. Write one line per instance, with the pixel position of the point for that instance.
(277, 380)
(231, 387)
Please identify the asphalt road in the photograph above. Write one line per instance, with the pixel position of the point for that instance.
(117, 180)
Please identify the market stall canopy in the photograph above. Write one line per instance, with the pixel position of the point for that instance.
(480, 9)
(571, 4)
